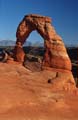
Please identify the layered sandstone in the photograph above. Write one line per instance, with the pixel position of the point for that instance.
(55, 55)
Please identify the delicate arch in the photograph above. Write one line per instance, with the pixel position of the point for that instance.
(55, 55)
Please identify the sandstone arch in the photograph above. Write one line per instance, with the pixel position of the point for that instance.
(55, 55)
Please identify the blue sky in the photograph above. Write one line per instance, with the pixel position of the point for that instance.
(64, 14)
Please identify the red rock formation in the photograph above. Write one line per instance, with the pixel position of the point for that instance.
(38, 95)
(55, 55)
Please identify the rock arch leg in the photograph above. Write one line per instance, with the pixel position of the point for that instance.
(22, 34)
(56, 55)
(19, 53)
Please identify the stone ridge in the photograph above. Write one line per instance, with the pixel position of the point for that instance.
(47, 19)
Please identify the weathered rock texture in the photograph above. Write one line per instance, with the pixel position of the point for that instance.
(26, 95)
(55, 55)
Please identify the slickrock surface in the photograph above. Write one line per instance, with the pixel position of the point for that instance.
(26, 95)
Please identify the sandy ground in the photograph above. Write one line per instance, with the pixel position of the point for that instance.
(26, 95)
